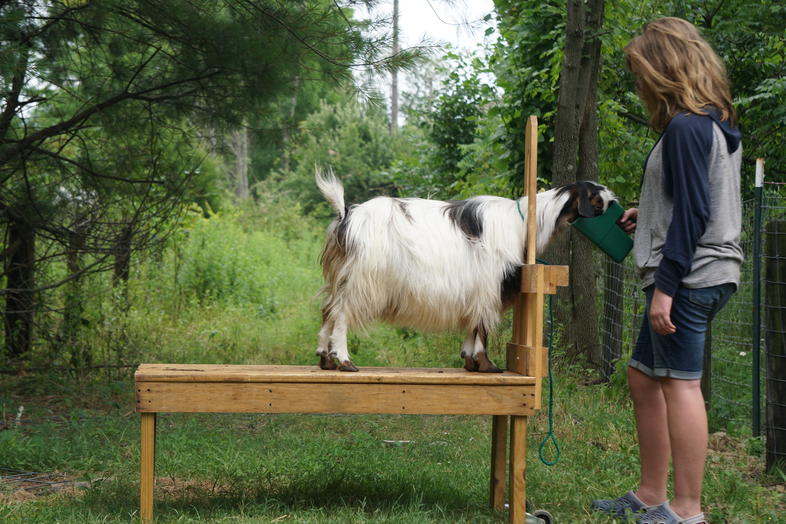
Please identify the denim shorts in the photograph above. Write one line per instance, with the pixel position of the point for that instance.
(681, 354)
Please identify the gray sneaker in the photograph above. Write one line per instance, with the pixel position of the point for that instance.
(663, 514)
(627, 504)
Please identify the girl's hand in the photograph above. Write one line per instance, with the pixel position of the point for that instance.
(628, 220)
(660, 313)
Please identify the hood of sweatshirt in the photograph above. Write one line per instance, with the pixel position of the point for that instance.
(732, 134)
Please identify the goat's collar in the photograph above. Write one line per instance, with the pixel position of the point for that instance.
(518, 206)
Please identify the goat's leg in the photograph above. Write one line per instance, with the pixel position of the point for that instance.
(323, 347)
(477, 359)
(338, 344)
(468, 351)
(481, 355)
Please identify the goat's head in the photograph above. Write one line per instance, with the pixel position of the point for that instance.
(582, 199)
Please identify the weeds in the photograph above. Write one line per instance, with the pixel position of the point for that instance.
(242, 289)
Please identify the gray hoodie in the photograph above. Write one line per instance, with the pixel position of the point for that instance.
(690, 210)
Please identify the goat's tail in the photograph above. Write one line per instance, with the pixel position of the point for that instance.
(333, 191)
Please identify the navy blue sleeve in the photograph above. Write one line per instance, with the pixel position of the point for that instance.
(687, 143)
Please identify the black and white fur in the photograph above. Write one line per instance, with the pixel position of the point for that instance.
(433, 265)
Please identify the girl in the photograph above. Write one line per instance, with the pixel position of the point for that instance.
(688, 256)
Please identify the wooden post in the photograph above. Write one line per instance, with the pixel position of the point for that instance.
(531, 314)
(531, 184)
(528, 312)
(775, 340)
(499, 430)
(147, 466)
(518, 470)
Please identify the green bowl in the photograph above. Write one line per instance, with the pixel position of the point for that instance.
(605, 233)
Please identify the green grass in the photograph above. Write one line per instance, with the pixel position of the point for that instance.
(298, 468)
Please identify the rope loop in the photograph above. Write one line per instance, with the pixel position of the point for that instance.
(550, 435)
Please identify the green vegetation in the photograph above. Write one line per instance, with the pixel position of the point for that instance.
(157, 204)
(298, 468)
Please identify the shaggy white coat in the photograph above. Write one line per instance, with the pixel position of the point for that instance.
(414, 267)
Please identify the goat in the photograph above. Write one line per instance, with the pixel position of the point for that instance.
(433, 265)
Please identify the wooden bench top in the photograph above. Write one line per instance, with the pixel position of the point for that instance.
(312, 375)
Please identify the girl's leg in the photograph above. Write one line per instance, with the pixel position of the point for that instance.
(687, 423)
(652, 428)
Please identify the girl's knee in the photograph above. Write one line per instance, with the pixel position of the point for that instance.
(681, 390)
(643, 388)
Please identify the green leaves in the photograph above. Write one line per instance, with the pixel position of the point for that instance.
(350, 138)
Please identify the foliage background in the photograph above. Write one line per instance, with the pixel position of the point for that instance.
(217, 278)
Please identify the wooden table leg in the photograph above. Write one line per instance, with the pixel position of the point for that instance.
(499, 436)
(518, 470)
(147, 464)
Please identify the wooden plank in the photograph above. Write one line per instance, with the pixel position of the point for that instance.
(531, 183)
(525, 352)
(312, 374)
(499, 437)
(238, 397)
(147, 465)
(554, 276)
(533, 334)
(518, 470)
(534, 306)
(558, 275)
(523, 355)
(517, 327)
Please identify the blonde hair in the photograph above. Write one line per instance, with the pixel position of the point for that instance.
(677, 70)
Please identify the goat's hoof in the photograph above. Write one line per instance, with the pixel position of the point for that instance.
(490, 369)
(484, 365)
(347, 365)
(327, 362)
(470, 364)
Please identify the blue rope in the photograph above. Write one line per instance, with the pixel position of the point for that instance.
(550, 434)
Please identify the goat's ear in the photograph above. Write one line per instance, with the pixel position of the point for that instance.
(586, 208)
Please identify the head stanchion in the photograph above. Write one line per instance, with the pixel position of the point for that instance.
(531, 184)
(525, 353)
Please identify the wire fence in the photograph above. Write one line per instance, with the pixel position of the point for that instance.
(745, 367)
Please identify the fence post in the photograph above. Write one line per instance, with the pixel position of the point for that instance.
(612, 304)
(756, 335)
(776, 343)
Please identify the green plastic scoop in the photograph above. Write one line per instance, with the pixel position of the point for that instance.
(605, 233)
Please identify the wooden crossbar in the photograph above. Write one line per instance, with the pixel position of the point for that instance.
(306, 389)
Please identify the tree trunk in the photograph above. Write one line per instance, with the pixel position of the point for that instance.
(576, 158)
(74, 300)
(122, 265)
(394, 74)
(587, 274)
(20, 282)
(288, 128)
(238, 143)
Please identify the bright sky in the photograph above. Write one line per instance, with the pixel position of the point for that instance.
(459, 22)
(456, 22)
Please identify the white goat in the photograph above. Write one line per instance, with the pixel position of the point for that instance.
(433, 265)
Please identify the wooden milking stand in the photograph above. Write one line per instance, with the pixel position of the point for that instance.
(514, 394)
(526, 354)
